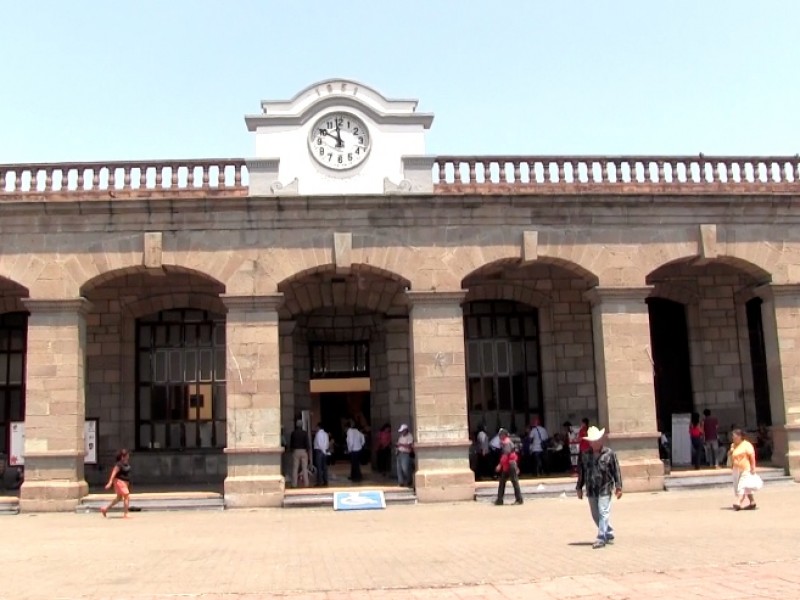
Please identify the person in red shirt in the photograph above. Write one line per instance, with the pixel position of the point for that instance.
(711, 435)
(508, 467)
(696, 435)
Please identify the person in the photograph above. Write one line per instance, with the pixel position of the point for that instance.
(583, 445)
(743, 466)
(120, 479)
(405, 446)
(711, 436)
(355, 444)
(298, 446)
(385, 450)
(482, 443)
(322, 445)
(494, 453)
(508, 467)
(696, 436)
(763, 443)
(539, 442)
(601, 476)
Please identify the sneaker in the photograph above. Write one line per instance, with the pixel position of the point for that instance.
(598, 544)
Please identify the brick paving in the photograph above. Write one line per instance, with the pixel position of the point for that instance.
(671, 545)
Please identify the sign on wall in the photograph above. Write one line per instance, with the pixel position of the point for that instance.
(17, 443)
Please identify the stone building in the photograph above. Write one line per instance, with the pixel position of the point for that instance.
(195, 308)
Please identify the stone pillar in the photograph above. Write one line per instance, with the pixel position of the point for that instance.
(55, 405)
(780, 314)
(439, 397)
(253, 402)
(625, 389)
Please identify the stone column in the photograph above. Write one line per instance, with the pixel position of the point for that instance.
(253, 402)
(625, 389)
(780, 314)
(439, 397)
(55, 405)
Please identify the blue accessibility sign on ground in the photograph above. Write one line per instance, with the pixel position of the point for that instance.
(360, 500)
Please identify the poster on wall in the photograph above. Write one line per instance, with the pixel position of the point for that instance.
(17, 443)
(90, 441)
(681, 444)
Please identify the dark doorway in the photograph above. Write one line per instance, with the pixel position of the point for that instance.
(758, 358)
(336, 410)
(669, 338)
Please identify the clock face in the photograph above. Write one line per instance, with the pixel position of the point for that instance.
(339, 141)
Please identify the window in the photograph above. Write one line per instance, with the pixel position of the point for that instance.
(502, 345)
(332, 360)
(13, 346)
(180, 401)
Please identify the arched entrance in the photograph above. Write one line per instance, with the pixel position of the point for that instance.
(155, 363)
(707, 341)
(13, 355)
(344, 341)
(529, 348)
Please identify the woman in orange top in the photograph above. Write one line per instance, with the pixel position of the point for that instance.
(743, 460)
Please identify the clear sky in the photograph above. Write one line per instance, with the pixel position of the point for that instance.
(152, 79)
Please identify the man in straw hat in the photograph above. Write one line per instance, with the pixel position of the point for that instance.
(601, 476)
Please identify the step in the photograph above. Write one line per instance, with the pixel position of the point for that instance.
(487, 492)
(325, 499)
(721, 479)
(9, 505)
(156, 502)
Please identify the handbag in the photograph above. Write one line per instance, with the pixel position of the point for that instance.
(751, 481)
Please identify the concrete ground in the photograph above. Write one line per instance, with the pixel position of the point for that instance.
(685, 545)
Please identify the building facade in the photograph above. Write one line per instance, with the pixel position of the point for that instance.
(196, 308)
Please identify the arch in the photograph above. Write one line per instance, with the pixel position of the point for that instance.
(500, 291)
(506, 266)
(363, 286)
(154, 304)
(11, 295)
(99, 280)
(356, 268)
(695, 265)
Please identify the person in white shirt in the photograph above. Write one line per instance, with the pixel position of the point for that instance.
(539, 441)
(405, 446)
(322, 443)
(355, 444)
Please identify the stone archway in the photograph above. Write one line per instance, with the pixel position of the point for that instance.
(173, 299)
(708, 299)
(13, 357)
(548, 296)
(344, 338)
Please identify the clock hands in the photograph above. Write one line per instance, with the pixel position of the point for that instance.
(337, 137)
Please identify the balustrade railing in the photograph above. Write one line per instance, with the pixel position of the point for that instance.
(124, 178)
(616, 174)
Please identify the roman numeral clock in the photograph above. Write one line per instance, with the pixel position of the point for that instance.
(339, 137)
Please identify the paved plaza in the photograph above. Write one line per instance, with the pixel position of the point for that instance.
(684, 545)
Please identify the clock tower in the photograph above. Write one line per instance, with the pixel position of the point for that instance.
(339, 137)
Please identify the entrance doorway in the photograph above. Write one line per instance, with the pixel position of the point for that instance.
(669, 338)
(336, 410)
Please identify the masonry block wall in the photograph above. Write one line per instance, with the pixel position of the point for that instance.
(111, 370)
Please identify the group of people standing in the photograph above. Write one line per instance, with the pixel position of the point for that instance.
(356, 443)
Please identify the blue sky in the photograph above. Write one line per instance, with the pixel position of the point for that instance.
(173, 79)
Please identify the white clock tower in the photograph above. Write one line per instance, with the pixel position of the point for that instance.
(339, 137)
